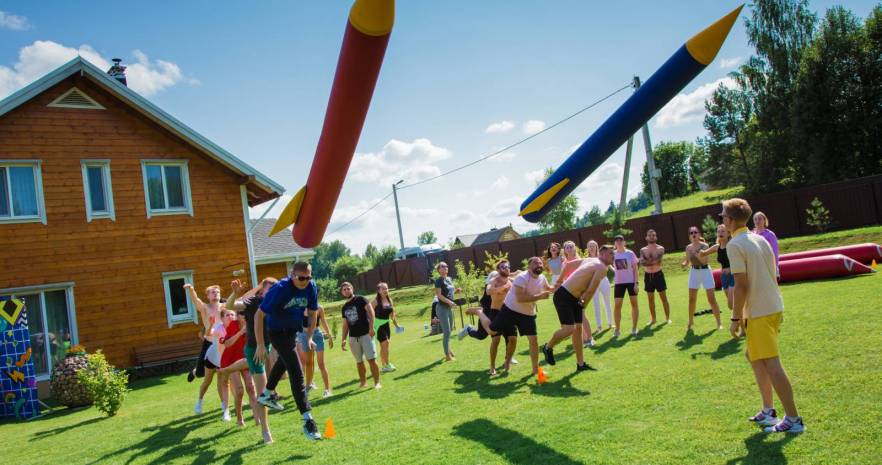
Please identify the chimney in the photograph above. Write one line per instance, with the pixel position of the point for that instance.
(118, 71)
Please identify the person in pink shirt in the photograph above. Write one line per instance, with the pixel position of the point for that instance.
(626, 264)
(761, 227)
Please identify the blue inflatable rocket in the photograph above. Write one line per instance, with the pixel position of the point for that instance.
(659, 89)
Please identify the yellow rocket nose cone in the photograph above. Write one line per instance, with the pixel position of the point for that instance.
(373, 17)
(544, 198)
(705, 45)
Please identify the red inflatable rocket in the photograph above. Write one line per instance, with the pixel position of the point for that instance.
(364, 44)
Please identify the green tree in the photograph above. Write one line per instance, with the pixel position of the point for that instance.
(563, 216)
(385, 255)
(347, 268)
(427, 237)
(326, 254)
(370, 253)
(672, 159)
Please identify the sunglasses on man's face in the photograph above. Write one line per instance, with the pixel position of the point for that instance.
(304, 278)
(693, 233)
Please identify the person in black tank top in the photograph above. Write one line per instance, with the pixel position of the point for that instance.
(383, 314)
(727, 281)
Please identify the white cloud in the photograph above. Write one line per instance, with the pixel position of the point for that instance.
(13, 22)
(685, 108)
(727, 63)
(500, 183)
(499, 126)
(42, 56)
(533, 126)
(505, 208)
(411, 161)
(534, 177)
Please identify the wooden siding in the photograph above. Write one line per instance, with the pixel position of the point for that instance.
(117, 265)
(276, 270)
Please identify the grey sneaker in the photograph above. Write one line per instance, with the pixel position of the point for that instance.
(787, 426)
(765, 419)
(270, 400)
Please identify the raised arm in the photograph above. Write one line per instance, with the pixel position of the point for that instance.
(200, 305)
(709, 250)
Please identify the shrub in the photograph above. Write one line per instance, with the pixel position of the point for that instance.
(818, 216)
(490, 260)
(709, 229)
(327, 288)
(107, 385)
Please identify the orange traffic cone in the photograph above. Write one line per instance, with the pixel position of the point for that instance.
(873, 264)
(540, 377)
(330, 432)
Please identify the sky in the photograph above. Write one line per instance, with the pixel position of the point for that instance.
(460, 80)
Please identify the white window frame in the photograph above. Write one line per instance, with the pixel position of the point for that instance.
(68, 287)
(185, 180)
(108, 190)
(191, 316)
(40, 217)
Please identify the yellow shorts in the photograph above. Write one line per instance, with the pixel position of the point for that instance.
(762, 336)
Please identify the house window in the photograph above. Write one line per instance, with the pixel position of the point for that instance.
(98, 189)
(21, 192)
(51, 322)
(178, 307)
(167, 188)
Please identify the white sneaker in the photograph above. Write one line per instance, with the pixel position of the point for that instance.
(198, 408)
(308, 388)
(386, 369)
(634, 333)
(327, 394)
(464, 332)
(226, 416)
(514, 361)
(378, 386)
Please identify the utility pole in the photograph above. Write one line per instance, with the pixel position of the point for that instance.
(654, 173)
(624, 198)
(397, 215)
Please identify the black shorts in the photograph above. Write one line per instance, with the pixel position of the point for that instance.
(655, 281)
(569, 311)
(621, 288)
(383, 333)
(481, 334)
(200, 362)
(210, 365)
(507, 319)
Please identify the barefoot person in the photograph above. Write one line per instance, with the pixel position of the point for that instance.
(727, 282)
(209, 314)
(699, 276)
(518, 308)
(282, 311)
(444, 290)
(602, 292)
(569, 301)
(358, 330)
(247, 306)
(758, 311)
(309, 357)
(626, 281)
(653, 275)
(384, 312)
(498, 285)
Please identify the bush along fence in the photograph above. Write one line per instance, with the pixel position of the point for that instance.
(850, 204)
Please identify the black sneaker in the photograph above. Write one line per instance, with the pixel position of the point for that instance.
(310, 430)
(191, 376)
(549, 354)
(585, 367)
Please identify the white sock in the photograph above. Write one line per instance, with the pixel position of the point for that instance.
(791, 419)
(767, 410)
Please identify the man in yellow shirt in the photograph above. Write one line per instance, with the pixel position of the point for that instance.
(758, 311)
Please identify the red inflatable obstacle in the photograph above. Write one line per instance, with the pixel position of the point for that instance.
(863, 253)
(803, 269)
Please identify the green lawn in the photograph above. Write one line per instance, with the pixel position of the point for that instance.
(659, 399)
(696, 199)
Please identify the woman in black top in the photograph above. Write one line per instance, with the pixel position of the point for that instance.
(727, 281)
(383, 313)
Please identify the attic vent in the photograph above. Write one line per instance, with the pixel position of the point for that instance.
(75, 98)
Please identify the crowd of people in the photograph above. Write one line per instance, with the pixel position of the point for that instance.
(279, 327)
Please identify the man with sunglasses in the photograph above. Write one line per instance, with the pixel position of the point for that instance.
(519, 307)
(758, 312)
(282, 312)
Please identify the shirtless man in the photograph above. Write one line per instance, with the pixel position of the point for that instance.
(570, 299)
(519, 309)
(699, 276)
(653, 275)
(497, 288)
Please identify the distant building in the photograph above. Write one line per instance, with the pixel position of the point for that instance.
(494, 235)
(273, 255)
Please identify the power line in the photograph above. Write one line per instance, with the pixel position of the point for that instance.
(486, 157)
(525, 139)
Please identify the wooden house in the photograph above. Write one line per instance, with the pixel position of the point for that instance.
(274, 255)
(108, 206)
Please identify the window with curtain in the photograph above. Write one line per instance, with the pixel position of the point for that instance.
(20, 196)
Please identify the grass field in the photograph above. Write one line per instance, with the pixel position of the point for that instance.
(696, 199)
(659, 399)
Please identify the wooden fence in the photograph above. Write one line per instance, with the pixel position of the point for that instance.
(852, 204)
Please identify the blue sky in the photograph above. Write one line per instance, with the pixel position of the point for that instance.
(460, 79)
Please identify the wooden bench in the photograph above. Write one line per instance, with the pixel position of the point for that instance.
(160, 354)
